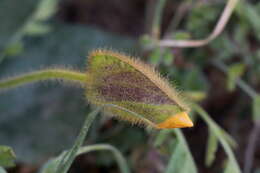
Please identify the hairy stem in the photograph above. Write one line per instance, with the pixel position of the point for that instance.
(67, 160)
(63, 74)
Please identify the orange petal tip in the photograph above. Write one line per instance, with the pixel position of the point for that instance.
(179, 120)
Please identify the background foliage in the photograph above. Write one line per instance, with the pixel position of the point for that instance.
(41, 120)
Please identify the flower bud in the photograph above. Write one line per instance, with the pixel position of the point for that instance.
(114, 78)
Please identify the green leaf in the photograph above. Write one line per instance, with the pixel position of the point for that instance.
(223, 43)
(240, 34)
(14, 49)
(181, 160)
(25, 21)
(195, 95)
(230, 167)
(194, 80)
(36, 28)
(248, 14)
(156, 56)
(256, 108)
(234, 71)
(7, 156)
(212, 147)
(198, 23)
(168, 57)
(14, 19)
(51, 165)
(229, 139)
(161, 137)
(2, 170)
(182, 35)
(46, 9)
(219, 133)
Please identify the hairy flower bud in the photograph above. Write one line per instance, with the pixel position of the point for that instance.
(114, 78)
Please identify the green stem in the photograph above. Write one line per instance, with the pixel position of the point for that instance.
(118, 156)
(67, 160)
(157, 19)
(215, 129)
(63, 74)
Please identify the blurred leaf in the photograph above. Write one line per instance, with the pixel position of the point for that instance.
(200, 24)
(249, 13)
(219, 133)
(229, 139)
(256, 108)
(181, 160)
(2, 170)
(7, 156)
(37, 29)
(14, 49)
(195, 95)
(223, 46)
(165, 142)
(168, 57)
(161, 137)
(35, 24)
(212, 147)
(51, 165)
(230, 167)
(161, 55)
(28, 21)
(240, 34)
(156, 56)
(46, 9)
(234, 71)
(13, 17)
(146, 40)
(194, 80)
(182, 35)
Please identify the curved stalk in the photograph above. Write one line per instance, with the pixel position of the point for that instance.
(61, 74)
(223, 20)
(100, 147)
